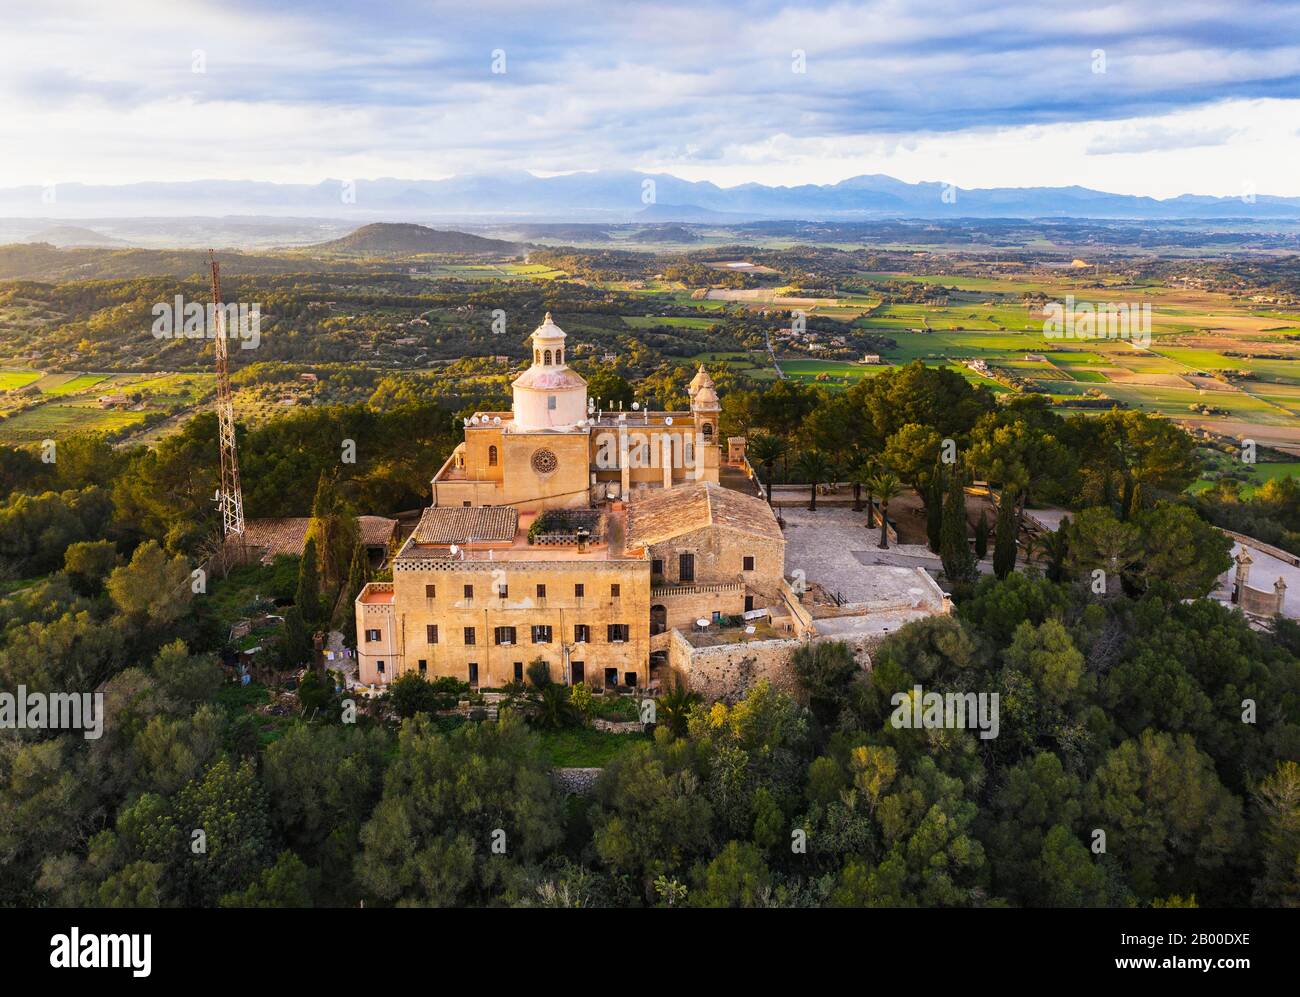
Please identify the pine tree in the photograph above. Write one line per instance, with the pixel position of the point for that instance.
(307, 598)
(957, 562)
(1004, 537)
(982, 537)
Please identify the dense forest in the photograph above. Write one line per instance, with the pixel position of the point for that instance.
(1146, 752)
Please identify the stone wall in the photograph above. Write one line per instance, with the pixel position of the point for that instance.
(727, 672)
(579, 782)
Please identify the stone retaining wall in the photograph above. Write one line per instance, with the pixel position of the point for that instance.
(726, 672)
(579, 782)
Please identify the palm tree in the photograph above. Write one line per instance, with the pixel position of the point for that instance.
(1052, 548)
(814, 469)
(675, 707)
(862, 474)
(767, 449)
(886, 487)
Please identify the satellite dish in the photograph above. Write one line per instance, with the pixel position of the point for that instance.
(668, 420)
(474, 421)
(496, 420)
(454, 550)
(636, 406)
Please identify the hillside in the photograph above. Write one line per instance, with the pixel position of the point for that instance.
(64, 236)
(384, 238)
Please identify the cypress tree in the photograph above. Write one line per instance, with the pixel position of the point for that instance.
(1004, 536)
(933, 499)
(957, 563)
(307, 597)
(982, 537)
(358, 575)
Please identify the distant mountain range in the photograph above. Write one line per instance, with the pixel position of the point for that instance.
(615, 196)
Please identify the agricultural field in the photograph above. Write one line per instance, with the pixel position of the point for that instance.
(1219, 466)
(13, 379)
(70, 403)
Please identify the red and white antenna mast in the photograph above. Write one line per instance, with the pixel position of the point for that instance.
(231, 496)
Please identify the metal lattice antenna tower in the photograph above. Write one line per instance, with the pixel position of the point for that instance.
(231, 496)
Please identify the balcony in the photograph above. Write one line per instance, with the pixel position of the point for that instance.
(660, 592)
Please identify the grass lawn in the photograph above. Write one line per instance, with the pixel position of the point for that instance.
(228, 596)
(584, 747)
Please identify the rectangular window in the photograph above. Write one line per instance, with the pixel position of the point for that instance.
(503, 590)
(424, 666)
(519, 671)
(372, 636)
(657, 566)
(541, 633)
(469, 592)
(581, 633)
(431, 633)
(541, 591)
(550, 402)
(469, 635)
(748, 563)
(380, 666)
(505, 635)
(431, 591)
(617, 633)
(615, 591)
(579, 590)
(473, 674)
(686, 568)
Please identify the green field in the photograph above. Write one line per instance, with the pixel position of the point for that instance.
(52, 420)
(673, 321)
(74, 385)
(11, 379)
(585, 747)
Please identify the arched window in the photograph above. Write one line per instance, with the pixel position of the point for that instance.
(492, 456)
(537, 356)
(559, 356)
(708, 430)
(547, 355)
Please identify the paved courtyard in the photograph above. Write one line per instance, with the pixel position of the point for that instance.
(834, 548)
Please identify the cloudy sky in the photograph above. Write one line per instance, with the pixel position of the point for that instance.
(1155, 97)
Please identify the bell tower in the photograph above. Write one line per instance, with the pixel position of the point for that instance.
(548, 395)
(705, 408)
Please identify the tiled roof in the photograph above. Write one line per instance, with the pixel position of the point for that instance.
(288, 535)
(661, 513)
(376, 531)
(277, 536)
(459, 525)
